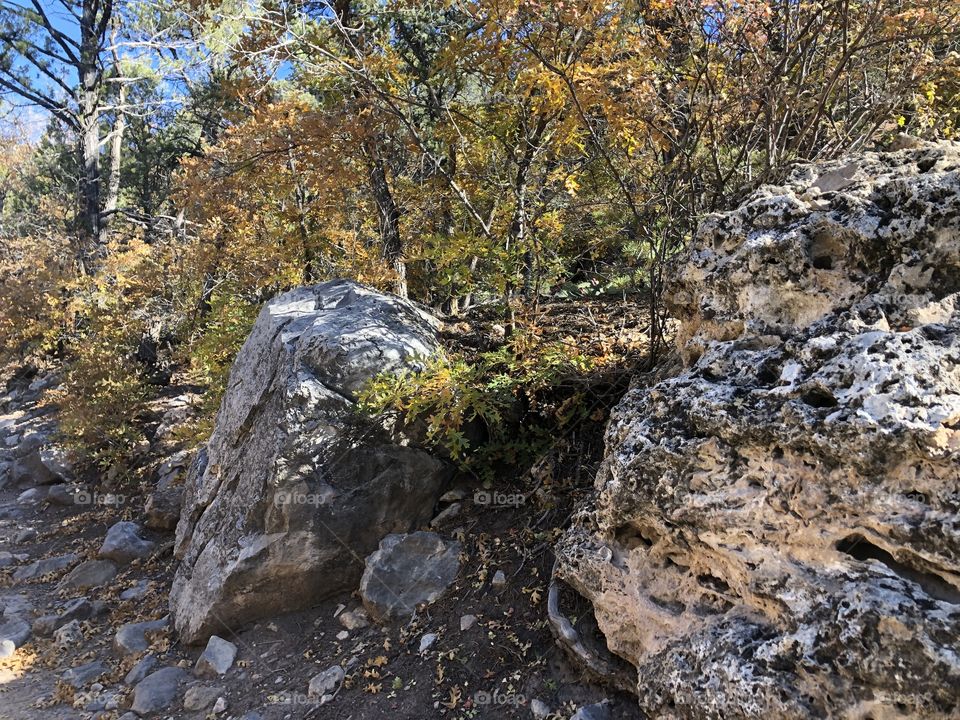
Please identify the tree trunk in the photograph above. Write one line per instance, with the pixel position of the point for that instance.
(388, 215)
(301, 199)
(89, 182)
(89, 105)
(116, 156)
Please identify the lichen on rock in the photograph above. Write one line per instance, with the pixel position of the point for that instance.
(294, 488)
(774, 531)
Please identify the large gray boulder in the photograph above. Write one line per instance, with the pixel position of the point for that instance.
(775, 529)
(295, 488)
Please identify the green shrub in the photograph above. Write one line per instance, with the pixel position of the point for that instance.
(502, 410)
(211, 355)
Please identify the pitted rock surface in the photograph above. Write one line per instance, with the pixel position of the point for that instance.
(295, 489)
(775, 529)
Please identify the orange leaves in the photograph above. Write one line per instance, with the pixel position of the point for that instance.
(520, 137)
(277, 194)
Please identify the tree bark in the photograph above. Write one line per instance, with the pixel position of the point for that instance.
(93, 23)
(388, 215)
(116, 157)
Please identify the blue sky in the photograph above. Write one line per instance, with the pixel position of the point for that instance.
(14, 113)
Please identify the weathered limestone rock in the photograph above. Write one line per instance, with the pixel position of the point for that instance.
(162, 508)
(37, 459)
(326, 682)
(775, 528)
(407, 571)
(295, 488)
(354, 619)
(200, 697)
(173, 470)
(68, 635)
(30, 470)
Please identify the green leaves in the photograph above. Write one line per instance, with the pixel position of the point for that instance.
(504, 408)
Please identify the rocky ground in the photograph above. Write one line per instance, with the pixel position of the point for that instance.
(767, 530)
(84, 593)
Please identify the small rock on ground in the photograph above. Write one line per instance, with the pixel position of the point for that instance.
(25, 535)
(89, 574)
(62, 494)
(45, 566)
(31, 496)
(427, 641)
(354, 619)
(407, 571)
(326, 682)
(68, 635)
(539, 709)
(157, 691)
(216, 659)
(131, 638)
(82, 675)
(598, 711)
(137, 591)
(77, 609)
(124, 544)
(139, 671)
(200, 697)
(15, 630)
